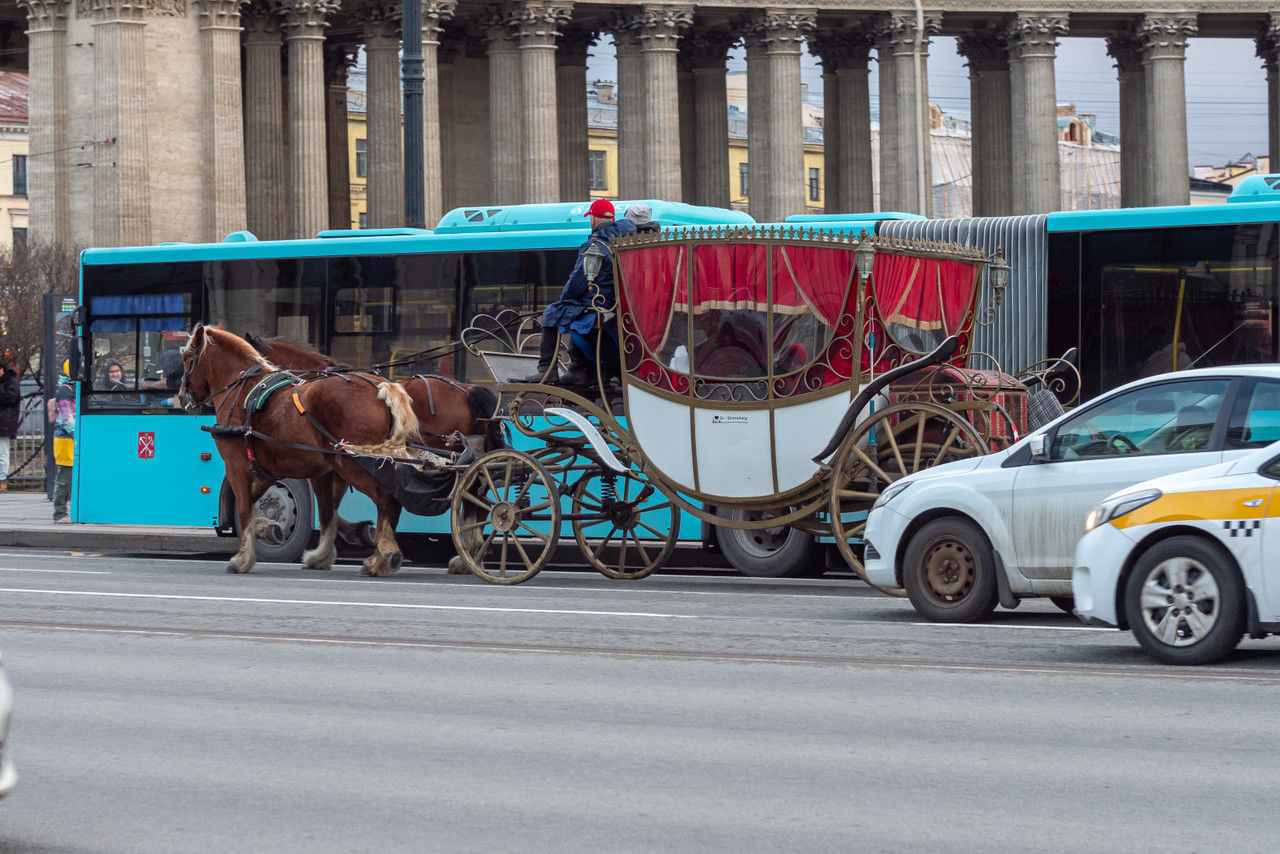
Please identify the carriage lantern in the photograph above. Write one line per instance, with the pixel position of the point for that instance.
(591, 262)
(999, 273)
(865, 255)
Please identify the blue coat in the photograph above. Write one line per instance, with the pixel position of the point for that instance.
(573, 310)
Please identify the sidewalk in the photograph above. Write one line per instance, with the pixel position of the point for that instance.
(26, 519)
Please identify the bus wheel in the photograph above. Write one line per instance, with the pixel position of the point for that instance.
(781, 552)
(287, 504)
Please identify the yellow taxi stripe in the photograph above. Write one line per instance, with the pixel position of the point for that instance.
(1217, 504)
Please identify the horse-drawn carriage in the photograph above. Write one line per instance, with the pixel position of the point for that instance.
(794, 374)
(786, 376)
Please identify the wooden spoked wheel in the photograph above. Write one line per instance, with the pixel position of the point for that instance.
(505, 515)
(890, 444)
(624, 527)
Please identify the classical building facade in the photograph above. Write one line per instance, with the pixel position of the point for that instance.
(187, 119)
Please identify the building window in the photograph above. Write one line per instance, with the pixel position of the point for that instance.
(19, 239)
(815, 177)
(595, 170)
(364, 217)
(742, 179)
(362, 158)
(19, 174)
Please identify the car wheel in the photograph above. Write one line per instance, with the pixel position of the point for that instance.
(1066, 604)
(950, 573)
(1185, 601)
(287, 504)
(781, 552)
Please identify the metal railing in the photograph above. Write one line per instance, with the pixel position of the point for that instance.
(27, 451)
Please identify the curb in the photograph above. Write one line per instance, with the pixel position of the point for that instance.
(97, 540)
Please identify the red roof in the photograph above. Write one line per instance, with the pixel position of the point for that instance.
(14, 90)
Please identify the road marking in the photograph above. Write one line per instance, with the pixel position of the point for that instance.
(410, 606)
(63, 571)
(1013, 626)
(1136, 671)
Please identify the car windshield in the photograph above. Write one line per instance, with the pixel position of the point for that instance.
(1161, 419)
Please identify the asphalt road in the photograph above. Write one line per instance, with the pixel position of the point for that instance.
(164, 706)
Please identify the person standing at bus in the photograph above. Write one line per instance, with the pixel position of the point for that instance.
(62, 415)
(573, 312)
(10, 398)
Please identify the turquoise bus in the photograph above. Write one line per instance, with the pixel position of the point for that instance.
(365, 297)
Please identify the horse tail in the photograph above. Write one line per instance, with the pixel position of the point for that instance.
(405, 429)
(484, 405)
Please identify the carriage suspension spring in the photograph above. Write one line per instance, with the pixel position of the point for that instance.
(608, 488)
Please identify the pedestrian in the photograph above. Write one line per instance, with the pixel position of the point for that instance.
(641, 215)
(62, 415)
(573, 311)
(10, 398)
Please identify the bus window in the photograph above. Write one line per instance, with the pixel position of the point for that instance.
(135, 344)
(271, 297)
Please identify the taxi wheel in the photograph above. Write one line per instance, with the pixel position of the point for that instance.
(950, 573)
(1185, 601)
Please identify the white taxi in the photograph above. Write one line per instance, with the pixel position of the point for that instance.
(8, 776)
(1187, 562)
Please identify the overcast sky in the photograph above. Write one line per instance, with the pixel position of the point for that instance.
(1226, 89)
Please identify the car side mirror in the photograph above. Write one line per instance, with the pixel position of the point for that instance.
(1039, 446)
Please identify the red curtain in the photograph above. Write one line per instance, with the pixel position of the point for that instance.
(728, 276)
(924, 293)
(649, 283)
(818, 276)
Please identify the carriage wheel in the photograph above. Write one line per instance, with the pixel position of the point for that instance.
(621, 517)
(908, 437)
(505, 517)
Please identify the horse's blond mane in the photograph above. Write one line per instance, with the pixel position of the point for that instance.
(234, 343)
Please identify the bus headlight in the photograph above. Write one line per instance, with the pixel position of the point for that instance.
(1119, 506)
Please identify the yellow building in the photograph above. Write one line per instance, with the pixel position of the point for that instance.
(13, 159)
(357, 158)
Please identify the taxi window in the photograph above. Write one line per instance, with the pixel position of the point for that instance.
(1165, 418)
(1255, 420)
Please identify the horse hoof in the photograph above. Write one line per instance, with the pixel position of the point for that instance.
(322, 567)
(235, 569)
(365, 536)
(395, 560)
(374, 568)
(458, 566)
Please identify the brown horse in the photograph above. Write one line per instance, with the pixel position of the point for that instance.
(292, 435)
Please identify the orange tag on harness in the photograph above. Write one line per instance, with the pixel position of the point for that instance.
(297, 404)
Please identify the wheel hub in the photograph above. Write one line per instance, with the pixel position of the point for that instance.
(950, 570)
(504, 517)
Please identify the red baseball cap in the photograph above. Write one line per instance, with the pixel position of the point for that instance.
(602, 208)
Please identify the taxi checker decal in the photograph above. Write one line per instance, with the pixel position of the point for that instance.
(1242, 529)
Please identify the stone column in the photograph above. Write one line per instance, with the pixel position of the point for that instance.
(571, 98)
(224, 190)
(304, 26)
(266, 181)
(338, 59)
(909, 46)
(1126, 50)
(505, 113)
(47, 192)
(780, 35)
(538, 24)
(631, 86)
(857, 184)
(1164, 49)
(688, 110)
(1268, 49)
(709, 155)
(434, 14)
(758, 140)
(121, 181)
(889, 155)
(990, 121)
(828, 46)
(657, 30)
(1033, 39)
(385, 123)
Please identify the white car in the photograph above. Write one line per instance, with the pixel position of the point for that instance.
(8, 776)
(1187, 562)
(966, 536)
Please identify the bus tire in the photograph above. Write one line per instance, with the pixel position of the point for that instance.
(288, 504)
(782, 552)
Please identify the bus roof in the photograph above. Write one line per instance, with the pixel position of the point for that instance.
(1255, 199)
(497, 227)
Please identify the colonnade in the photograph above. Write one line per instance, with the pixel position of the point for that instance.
(505, 108)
